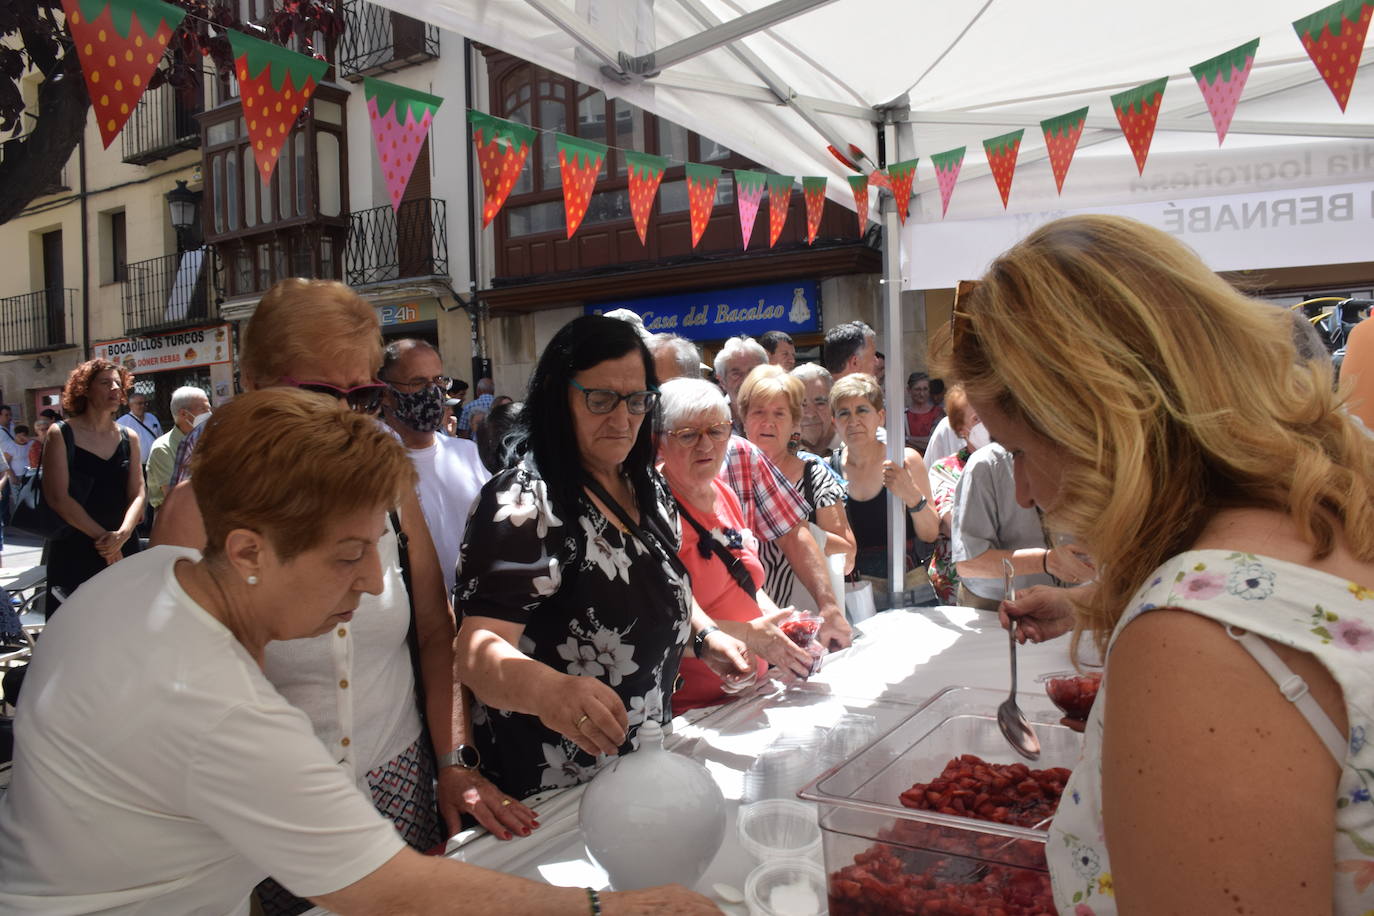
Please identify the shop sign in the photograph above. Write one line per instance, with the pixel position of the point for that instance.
(176, 350)
(406, 312)
(717, 314)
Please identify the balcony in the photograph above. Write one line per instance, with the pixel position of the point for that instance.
(169, 292)
(376, 41)
(162, 125)
(37, 321)
(386, 244)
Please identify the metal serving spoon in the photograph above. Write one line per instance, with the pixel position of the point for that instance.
(1015, 728)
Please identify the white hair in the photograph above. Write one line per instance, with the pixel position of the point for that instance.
(743, 345)
(809, 372)
(685, 354)
(682, 399)
(631, 318)
(186, 397)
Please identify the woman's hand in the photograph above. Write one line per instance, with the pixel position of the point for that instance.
(588, 713)
(898, 479)
(1042, 612)
(763, 637)
(670, 900)
(1069, 565)
(727, 654)
(466, 791)
(111, 544)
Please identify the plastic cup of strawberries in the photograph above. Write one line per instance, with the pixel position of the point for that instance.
(803, 628)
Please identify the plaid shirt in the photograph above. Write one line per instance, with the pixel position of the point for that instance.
(772, 506)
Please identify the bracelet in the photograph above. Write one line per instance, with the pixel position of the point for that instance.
(699, 641)
(595, 900)
(920, 505)
(1045, 561)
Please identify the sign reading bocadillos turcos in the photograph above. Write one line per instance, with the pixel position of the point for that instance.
(174, 350)
(717, 314)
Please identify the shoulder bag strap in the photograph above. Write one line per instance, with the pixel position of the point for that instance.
(644, 538)
(413, 632)
(809, 487)
(732, 562)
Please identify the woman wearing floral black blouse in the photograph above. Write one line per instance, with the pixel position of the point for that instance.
(575, 609)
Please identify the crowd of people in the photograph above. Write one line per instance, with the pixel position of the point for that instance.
(371, 614)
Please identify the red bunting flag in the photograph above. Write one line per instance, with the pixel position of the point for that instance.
(749, 188)
(902, 175)
(1061, 139)
(1334, 39)
(274, 84)
(579, 162)
(813, 189)
(878, 179)
(859, 185)
(701, 194)
(947, 166)
(1001, 152)
(502, 148)
(1222, 79)
(779, 196)
(119, 44)
(1137, 110)
(646, 172)
(401, 119)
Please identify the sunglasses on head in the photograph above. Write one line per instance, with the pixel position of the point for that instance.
(360, 399)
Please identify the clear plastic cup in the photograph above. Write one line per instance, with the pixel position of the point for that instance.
(780, 828)
(786, 887)
(847, 737)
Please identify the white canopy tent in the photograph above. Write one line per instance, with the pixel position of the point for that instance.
(778, 81)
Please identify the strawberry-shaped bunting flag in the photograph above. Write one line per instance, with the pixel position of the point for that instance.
(701, 195)
(579, 162)
(1061, 139)
(902, 175)
(859, 185)
(878, 178)
(1137, 110)
(645, 172)
(947, 166)
(502, 148)
(401, 119)
(1001, 152)
(119, 44)
(1222, 79)
(274, 84)
(749, 188)
(813, 189)
(779, 196)
(1334, 39)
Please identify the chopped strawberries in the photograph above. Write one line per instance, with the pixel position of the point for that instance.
(1061, 139)
(1001, 152)
(502, 147)
(1137, 110)
(1334, 39)
(1074, 694)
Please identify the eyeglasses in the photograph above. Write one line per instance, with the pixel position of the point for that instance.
(360, 399)
(603, 400)
(442, 382)
(689, 436)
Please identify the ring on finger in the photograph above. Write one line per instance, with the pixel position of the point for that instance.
(585, 717)
(505, 803)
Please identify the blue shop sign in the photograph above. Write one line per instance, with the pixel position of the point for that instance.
(717, 314)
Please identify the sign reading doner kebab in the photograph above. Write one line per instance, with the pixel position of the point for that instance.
(174, 350)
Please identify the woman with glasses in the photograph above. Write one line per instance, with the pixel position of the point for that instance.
(356, 682)
(576, 610)
(720, 553)
(770, 401)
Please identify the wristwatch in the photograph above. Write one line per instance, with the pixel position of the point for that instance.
(699, 641)
(464, 755)
(920, 505)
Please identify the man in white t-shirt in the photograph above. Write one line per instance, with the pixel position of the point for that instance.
(450, 471)
(145, 425)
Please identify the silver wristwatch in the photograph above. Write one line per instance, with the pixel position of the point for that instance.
(464, 755)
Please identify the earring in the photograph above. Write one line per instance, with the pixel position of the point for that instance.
(252, 580)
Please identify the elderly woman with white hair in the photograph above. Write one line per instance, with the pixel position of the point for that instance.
(817, 422)
(733, 364)
(720, 553)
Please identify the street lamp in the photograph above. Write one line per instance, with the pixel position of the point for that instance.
(184, 205)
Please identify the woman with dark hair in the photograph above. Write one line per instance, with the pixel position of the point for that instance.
(498, 439)
(100, 494)
(575, 607)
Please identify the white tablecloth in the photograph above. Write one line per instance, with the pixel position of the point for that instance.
(903, 658)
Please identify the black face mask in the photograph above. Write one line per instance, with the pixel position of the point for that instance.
(423, 410)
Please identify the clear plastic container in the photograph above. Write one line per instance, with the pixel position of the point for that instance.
(865, 827)
(786, 887)
(779, 828)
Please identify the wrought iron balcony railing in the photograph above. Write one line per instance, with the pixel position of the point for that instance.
(172, 291)
(376, 40)
(162, 125)
(386, 244)
(37, 321)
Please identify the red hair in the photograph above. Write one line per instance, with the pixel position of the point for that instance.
(79, 383)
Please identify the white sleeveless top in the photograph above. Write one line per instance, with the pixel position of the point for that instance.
(355, 682)
(1314, 612)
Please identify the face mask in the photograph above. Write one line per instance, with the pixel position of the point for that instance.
(978, 437)
(202, 419)
(423, 410)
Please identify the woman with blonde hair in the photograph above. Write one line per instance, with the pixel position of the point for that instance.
(1161, 419)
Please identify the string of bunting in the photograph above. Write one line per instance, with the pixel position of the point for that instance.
(120, 42)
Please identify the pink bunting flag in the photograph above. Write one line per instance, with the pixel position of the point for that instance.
(401, 119)
(1222, 79)
(749, 188)
(947, 166)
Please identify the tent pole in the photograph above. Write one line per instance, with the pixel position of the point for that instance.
(715, 36)
(893, 394)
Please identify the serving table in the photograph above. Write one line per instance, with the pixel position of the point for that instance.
(902, 658)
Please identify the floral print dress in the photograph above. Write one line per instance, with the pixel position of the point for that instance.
(1328, 617)
(594, 603)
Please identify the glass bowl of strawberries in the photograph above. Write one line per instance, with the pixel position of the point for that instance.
(1072, 692)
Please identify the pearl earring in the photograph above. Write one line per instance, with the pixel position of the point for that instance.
(252, 580)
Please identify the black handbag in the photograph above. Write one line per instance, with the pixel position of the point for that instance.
(31, 513)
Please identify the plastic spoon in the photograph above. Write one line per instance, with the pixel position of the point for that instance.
(1015, 728)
